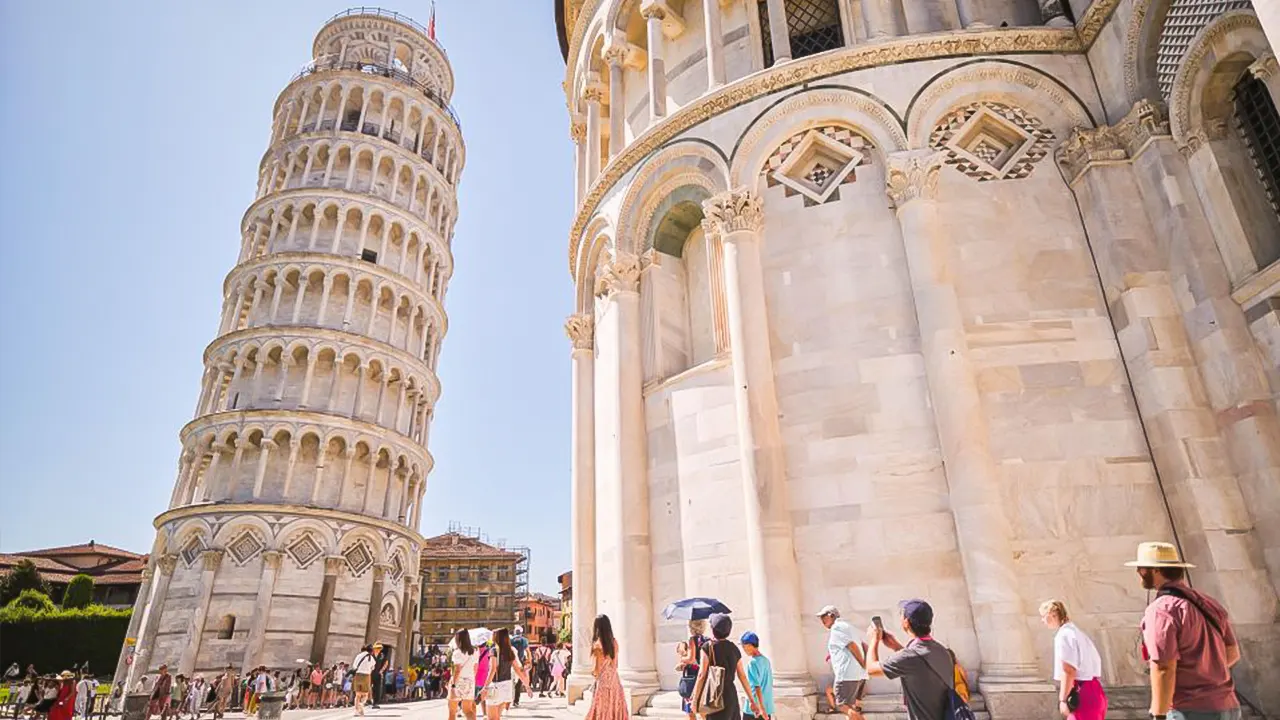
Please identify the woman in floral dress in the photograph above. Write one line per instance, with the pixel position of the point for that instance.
(608, 702)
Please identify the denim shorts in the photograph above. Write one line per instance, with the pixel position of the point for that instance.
(1232, 714)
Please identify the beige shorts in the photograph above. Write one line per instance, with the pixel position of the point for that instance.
(502, 691)
(362, 683)
(463, 689)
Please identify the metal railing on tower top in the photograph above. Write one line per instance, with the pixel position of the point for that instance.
(400, 76)
(390, 15)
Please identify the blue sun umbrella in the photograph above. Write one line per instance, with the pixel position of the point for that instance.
(698, 608)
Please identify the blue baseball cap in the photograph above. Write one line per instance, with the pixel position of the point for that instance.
(750, 638)
(917, 612)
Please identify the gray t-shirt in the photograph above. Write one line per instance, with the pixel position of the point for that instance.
(927, 672)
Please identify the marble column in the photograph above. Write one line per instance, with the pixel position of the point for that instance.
(779, 35)
(737, 218)
(578, 132)
(375, 604)
(210, 561)
(884, 18)
(984, 531)
(408, 598)
(712, 28)
(135, 624)
(324, 612)
(593, 95)
(654, 12)
(622, 459)
(614, 57)
(261, 611)
(145, 649)
(581, 331)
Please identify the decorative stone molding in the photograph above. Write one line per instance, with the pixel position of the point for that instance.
(1145, 120)
(581, 331)
(167, 563)
(1181, 123)
(1122, 141)
(333, 564)
(614, 54)
(271, 559)
(594, 92)
(578, 131)
(212, 558)
(621, 275)
(734, 211)
(992, 141)
(1024, 79)
(1198, 137)
(989, 42)
(1265, 67)
(673, 23)
(913, 175)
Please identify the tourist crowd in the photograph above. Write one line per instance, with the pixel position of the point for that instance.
(1187, 642)
(488, 671)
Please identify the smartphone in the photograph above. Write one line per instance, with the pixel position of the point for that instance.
(875, 620)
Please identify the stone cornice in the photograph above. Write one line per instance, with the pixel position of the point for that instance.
(306, 511)
(991, 42)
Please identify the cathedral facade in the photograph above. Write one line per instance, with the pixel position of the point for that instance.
(292, 530)
(952, 299)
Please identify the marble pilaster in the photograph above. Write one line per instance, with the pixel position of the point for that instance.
(210, 561)
(581, 331)
(261, 610)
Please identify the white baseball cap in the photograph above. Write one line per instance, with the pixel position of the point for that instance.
(826, 610)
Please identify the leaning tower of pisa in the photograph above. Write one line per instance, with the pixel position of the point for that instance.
(292, 531)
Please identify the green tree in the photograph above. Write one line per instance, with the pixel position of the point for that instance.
(79, 592)
(566, 634)
(33, 600)
(23, 576)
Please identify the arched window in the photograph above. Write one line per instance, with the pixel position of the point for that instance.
(228, 627)
(1256, 119)
(813, 26)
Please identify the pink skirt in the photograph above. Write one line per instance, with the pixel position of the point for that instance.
(1093, 701)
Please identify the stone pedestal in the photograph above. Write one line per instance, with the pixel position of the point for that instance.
(135, 706)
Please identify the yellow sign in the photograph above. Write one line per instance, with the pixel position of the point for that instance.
(130, 642)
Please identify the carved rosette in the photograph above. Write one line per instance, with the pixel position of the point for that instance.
(913, 175)
(621, 275)
(733, 211)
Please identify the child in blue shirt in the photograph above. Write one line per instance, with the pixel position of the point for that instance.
(759, 675)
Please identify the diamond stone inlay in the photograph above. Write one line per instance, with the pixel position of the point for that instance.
(358, 558)
(245, 547)
(304, 550)
(191, 551)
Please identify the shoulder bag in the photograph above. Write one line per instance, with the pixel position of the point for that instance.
(708, 696)
(957, 708)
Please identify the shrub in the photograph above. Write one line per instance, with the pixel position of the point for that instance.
(79, 592)
(23, 576)
(55, 639)
(33, 600)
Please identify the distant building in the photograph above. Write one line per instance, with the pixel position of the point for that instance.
(116, 573)
(468, 583)
(566, 601)
(540, 615)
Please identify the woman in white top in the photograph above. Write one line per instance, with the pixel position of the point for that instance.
(1077, 666)
(363, 683)
(462, 681)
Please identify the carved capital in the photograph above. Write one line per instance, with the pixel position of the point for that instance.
(734, 211)
(621, 275)
(578, 131)
(1086, 146)
(167, 563)
(333, 564)
(271, 559)
(1202, 135)
(913, 175)
(380, 572)
(212, 558)
(1144, 121)
(1265, 67)
(594, 93)
(615, 53)
(653, 11)
(581, 331)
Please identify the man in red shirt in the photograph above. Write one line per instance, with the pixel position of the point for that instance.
(1188, 640)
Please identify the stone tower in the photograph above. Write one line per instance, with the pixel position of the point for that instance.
(951, 299)
(292, 531)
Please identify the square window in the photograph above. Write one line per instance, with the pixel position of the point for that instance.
(368, 255)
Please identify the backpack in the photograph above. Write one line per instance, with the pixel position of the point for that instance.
(708, 696)
(957, 708)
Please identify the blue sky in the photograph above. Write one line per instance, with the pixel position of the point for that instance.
(133, 135)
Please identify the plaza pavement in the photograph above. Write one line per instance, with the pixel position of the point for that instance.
(530, 709)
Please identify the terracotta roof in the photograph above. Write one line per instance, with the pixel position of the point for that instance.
(457, 545)
(542, 598)
(82, 549)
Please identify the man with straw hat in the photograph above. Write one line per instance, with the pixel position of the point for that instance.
(1188, 641)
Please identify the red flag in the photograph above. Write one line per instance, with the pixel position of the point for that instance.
(431, 26)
